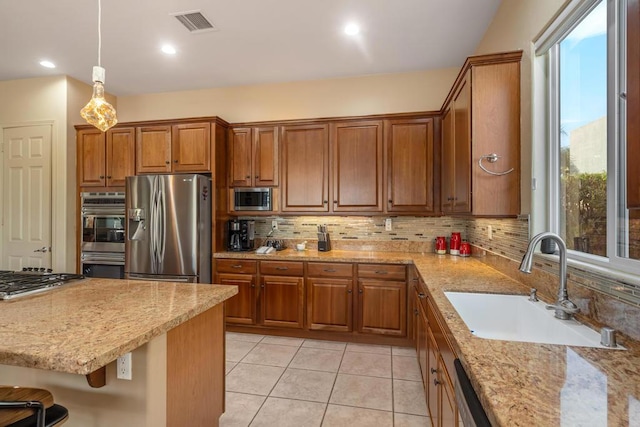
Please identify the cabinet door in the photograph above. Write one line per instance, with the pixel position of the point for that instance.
(329, 304)
(448, 406)
(357, 166)
(121, 153)
(305, 168)
(265, 156)
(633, 104)
(431, 385)
(241, 308)
(153, 149)
(382, 307)
(447, 170)
(421, 340)
(91, 158)
(191, 147)
(240, 169)
(410, 156)
(282, 301)
(462, 148)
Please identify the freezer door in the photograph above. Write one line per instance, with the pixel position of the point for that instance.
(138, 231)
(161, 278)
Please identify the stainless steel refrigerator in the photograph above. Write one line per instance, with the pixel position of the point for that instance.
(168, 228)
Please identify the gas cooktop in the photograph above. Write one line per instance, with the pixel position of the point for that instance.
(15, 284)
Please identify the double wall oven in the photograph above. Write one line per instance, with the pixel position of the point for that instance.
(102, 246)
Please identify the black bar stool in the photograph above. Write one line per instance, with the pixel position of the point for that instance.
(29, 407)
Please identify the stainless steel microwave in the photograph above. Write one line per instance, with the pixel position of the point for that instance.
(252, 199)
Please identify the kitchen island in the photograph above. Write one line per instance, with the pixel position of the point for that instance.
(518, 383)
(175, 332)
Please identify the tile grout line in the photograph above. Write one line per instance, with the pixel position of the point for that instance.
(326, 408)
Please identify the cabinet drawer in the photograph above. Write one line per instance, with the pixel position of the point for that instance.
(382, 271)
(326, 269)
(236, 266)
(281, 268)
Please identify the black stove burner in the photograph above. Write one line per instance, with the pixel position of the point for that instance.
(20, 283)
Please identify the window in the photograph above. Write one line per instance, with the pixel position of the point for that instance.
(584, 61)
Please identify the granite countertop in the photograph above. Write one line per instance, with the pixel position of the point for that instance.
(82, 326)
(518, 383)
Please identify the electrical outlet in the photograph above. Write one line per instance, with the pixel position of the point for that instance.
(124, 367)
(490, 232)
(388, 226)
(274, 224)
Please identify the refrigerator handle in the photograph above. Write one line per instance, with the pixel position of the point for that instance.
(162, 224)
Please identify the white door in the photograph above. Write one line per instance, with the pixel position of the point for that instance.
(26, 197)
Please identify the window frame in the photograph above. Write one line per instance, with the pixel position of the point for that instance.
(546, 154)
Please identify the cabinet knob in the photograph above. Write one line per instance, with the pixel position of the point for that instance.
(236, 266)
(253, 286)
(108, 176)
(381, 272)
(325, 202)
(359, 291)
(436, 382)
(257, 176)
(282, 268)
(390, 201)
(175, 161)
(167, 162)
(262, 286)
(248, 177)
(433, 371)
(335, 202)
(416, 312)
(101, 176)
(349, 291)
(421, 295)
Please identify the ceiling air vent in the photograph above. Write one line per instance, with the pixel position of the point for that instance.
(194, 21)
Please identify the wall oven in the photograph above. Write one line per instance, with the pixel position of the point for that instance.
(102, 225)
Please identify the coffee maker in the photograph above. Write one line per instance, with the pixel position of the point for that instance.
(240, 235)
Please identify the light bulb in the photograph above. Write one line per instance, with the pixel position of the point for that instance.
(98, 112)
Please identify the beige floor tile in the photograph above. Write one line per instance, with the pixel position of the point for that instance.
(236, 350)
(368, 348)
(228, 366)
(253, 379)
(341, 416)
(370, 364)
(305, 385)
(235, 336)
(363, 392)
(270, 354)
(406, 420)
(326, 345)
(406, 368)
(240, 409)
(295, 342)
(289, 413)
(403, 351)
(408, 397)
(317, 359)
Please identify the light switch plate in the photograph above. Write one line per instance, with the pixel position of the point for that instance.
(388, 225)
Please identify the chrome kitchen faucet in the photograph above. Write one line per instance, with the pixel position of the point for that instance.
(564, 308)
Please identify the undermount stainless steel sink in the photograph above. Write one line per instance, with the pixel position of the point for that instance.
(516, 318)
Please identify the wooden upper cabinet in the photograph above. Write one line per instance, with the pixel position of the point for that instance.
(410, 165)
(153, 149)
(462, 148)
(121, 155)
(633, 104)
(191, 147)
(91, 158)
(253, 157)
(305, 168)
(357, 166)
(447, 165)
(105, 159)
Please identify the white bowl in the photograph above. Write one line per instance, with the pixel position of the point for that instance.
(301, 246)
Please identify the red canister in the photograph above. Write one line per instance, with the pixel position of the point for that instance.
(465, 249)
(454, 245)
(441, 245)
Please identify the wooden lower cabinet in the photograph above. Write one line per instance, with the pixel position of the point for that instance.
(282, 301)
(382, 307)
(241, 308)
(329, 304)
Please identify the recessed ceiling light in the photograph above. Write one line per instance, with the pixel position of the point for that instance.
(47, 64)
(352, 29)
(168, 49)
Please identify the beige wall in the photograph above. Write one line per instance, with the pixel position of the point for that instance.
(35, 101)
(515, 25)
(376, 94)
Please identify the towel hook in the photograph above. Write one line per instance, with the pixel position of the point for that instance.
(492, 158)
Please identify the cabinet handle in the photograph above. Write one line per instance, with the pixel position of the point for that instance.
(390, 201)
(421, 295)
(325, 202)
(257, 176)
(101, 176)
(335, 202)
(359, 291)
(282, 268)
(175, 161)
(167, 162)
(108, 176)
(433, 371)
(236, 266)
(415, 279)
(329, 270)
(247, 177)
(381, 272)
(349, 291)
(262, 286)
(253, 286)
(436, 382)
(416, 312)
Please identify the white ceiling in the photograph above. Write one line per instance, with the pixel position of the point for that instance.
(258, 41)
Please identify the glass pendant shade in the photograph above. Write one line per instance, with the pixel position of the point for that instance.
(98, 112)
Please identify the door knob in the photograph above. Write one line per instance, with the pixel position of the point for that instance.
(43, 249)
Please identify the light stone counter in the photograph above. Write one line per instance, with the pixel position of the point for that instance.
(82, 326)
(519, 384)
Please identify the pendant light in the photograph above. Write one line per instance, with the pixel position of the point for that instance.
(98, 112)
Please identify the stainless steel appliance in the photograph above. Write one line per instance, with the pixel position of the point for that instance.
(168, 228)
(252, 199)
(241, 235)
(14, 284)
(470, 409)
(103, 231)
